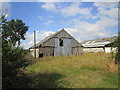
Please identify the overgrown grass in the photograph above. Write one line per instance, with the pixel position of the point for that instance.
(90, 70)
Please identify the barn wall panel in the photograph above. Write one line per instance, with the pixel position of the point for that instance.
(93, 49)
(50, 42)
(77, 50)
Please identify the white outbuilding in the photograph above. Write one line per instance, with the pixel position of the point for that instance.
(99, 45)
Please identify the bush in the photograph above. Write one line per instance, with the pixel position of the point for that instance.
(117, 57)
(12, 60)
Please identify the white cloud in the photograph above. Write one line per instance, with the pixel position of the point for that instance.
(82, 30)
(107, 22)
(41, 18)
(74, 9)
(51, 0)
(98, 0)
(5, 8)
(40, 35)
(112, 13)
(50, 6)
(59, 1)
(48, 22)
(109, 9)
(106, 4)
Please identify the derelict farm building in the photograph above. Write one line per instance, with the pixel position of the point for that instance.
(99, 45)
(57, 44)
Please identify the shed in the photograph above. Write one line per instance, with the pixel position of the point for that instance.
(99, 45)
(58, 44)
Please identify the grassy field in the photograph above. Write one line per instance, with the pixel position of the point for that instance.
(90, 70)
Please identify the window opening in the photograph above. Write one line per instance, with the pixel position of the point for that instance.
(60, 42)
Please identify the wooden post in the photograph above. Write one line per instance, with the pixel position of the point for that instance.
(35, 44)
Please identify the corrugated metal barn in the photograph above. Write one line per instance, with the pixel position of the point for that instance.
(57, 44)
(99, 45)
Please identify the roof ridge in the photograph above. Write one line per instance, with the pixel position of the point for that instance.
(47, 38)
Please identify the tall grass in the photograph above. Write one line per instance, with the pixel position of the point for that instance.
(90, 70)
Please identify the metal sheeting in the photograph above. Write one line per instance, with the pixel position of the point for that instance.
(52, 46)
(100, 44)
(56, 50)
(63, 50)
(67, 50)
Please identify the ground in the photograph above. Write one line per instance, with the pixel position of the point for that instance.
(90, 70)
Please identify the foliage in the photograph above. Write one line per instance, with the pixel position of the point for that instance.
(12, 60)
(117, 58)
(116, 43)
(13, 57)
(13, 31)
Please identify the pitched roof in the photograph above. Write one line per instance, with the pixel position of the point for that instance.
(98, 42)
(49, 37)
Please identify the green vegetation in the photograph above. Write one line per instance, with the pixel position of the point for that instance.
(13, 57)
(90, 70)
(117, 57)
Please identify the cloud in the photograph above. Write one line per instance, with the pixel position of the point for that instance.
(112, 13)
(41, 18)
(109, 9)
(51, 0)
(50, 6)
(82, 30)
(74, 10)
(5, 8)
(99, 0)
(106, 4)
(40, 35)
(48, 22)
(60, 1)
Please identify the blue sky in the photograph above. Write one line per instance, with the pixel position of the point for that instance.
(83, 20)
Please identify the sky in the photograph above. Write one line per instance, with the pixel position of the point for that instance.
(83, 20)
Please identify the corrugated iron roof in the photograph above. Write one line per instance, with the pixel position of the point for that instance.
(98, 42)
(111, 39)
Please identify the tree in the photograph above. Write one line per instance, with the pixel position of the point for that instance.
(116, 43)
(117, 57)
(13, 31)
(12, 58)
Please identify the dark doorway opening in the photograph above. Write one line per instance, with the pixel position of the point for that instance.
(40, 54)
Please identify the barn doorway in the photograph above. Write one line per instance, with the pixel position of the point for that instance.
(40, 55)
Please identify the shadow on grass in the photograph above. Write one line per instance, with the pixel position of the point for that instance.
(41, 80)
